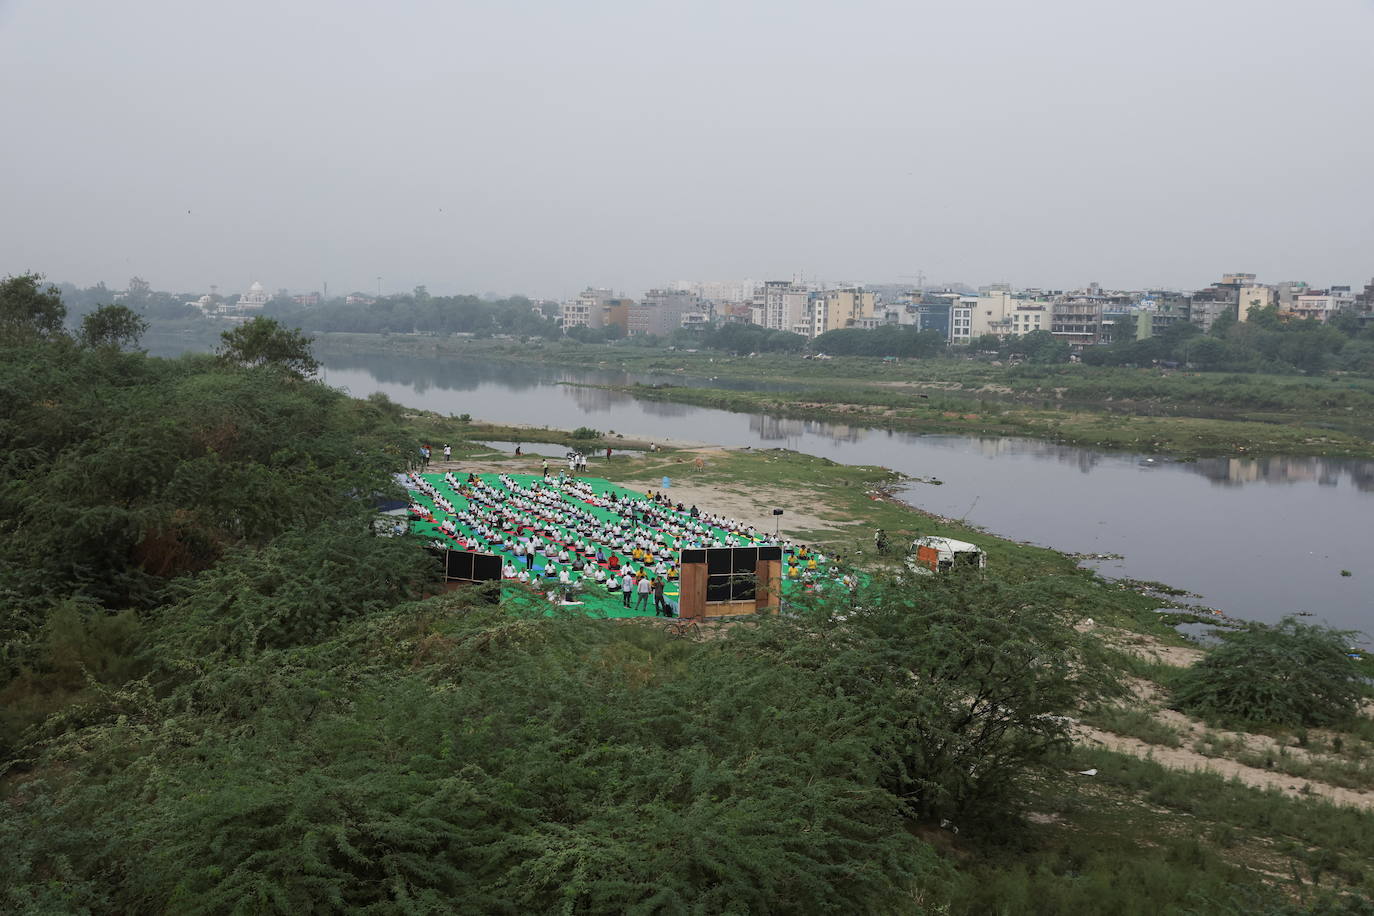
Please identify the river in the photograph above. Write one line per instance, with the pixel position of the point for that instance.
(1255, 537)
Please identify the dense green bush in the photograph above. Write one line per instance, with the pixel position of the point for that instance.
(1290, 674)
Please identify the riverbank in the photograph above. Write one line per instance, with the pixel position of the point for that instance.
(1185, 415)
(838, 507)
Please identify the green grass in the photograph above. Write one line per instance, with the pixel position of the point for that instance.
(1134, 722)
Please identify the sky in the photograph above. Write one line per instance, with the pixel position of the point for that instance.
(538, 147)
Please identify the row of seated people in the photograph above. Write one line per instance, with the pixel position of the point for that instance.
(514, 517)
(543, 507)
(680, 525)
(617, 537)
(527, 542)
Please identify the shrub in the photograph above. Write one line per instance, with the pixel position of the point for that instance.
(1289, 674)
(586, 432)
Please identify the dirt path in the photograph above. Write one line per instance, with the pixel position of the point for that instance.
(753, 508)
(1184, 759)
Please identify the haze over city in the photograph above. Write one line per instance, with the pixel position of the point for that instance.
(539, 148)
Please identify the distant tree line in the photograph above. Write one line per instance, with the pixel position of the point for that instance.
(1263, 343)
(421, 313)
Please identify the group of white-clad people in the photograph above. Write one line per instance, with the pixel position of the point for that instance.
(632, 552)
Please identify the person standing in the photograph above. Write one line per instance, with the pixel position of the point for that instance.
(608, 453)
(546, 468)
(448, 452)
(660, 603)
(627, 585)
(645, 588)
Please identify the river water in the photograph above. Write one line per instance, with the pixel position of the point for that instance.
(1257, 538)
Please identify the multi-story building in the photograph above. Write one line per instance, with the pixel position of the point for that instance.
(1320, 305)
(785, 304)
(1001, 312)
(587, 310)
(1364, 302)
(1251, 299)
(844, 307)
(990, 310)
(617, 312)
(1160, 308)
(1205, 312)
(961, 319)
(1077, 319)
(661, 311)
(1287, 293)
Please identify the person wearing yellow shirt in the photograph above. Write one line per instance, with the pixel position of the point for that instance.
(811, 565)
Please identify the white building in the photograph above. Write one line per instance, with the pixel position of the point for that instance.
(255, 298)
(961, 319)
(1321, 305)
(587, 309)
(999, 311)
(785, 305)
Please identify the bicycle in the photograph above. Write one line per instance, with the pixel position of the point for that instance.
(686, 627)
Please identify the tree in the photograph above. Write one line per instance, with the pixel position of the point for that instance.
(1042, 347)
(986, 342)
(27, 311)
(140, 291)
(1292, 674)
(969, 676)
(264, 342)
(115, 326)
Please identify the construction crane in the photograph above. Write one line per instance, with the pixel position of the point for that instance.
(920, 278)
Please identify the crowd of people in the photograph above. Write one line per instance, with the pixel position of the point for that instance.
(565, 537)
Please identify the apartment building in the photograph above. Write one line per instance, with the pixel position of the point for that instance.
(587, 309)
(1077, 319)
(661, 311)
(1001, 312)
(785, 304)
(961, 319)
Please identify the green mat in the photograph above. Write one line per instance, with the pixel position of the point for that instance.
(592, 596)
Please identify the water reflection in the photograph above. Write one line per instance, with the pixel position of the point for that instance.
(1324, 472)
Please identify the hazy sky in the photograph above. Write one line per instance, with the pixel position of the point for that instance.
(537, 147)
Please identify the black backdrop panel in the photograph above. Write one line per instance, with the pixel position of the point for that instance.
(731, 571)
(486, 567)
(459, 564)
(718, 588)
(467, 566)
